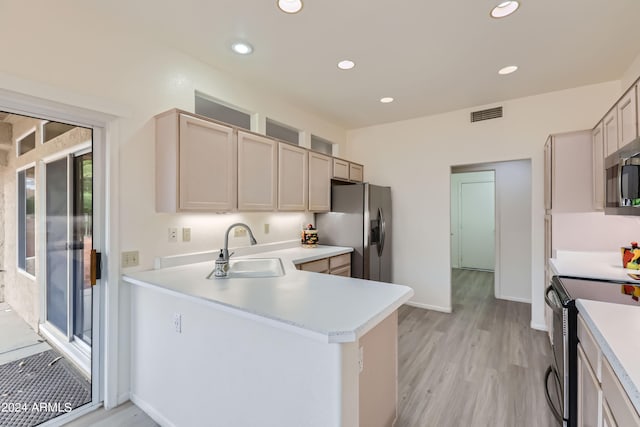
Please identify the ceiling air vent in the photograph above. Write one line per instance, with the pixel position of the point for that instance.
(491, 113)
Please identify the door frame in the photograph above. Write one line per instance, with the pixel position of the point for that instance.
(22, 96)
(483, 167)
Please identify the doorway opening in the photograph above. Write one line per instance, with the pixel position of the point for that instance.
(472, 246)
(48, 307)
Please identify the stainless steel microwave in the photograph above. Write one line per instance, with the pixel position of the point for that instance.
(622, 186)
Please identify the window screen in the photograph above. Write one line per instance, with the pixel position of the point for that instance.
(285, 133)
(214, 110)
(321, 145)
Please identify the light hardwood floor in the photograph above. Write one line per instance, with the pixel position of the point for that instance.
(481, 365)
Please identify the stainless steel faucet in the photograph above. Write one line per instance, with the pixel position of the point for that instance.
(222, 263)
(225, 251)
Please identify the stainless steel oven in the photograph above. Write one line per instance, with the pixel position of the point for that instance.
(562, 372)
(560, 296)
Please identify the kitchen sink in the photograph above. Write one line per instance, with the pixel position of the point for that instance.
(253, 267)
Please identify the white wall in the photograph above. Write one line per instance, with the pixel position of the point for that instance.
(71, 51)
(456, 180)
(631, 75)
(414, 157)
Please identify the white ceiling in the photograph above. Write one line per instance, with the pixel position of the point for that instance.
(430, 56)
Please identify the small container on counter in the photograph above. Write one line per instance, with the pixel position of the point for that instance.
(309, 237)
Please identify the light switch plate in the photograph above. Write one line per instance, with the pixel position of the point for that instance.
(186, 234)
(266, 229)
(130, 259)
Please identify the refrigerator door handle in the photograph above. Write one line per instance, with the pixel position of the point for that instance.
(382, 231)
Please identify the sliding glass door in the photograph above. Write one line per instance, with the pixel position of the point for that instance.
(69, 241)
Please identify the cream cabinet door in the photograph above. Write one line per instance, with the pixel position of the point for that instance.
(319, 182)
(340, 169)
(589, 394)
(548, 172)
(292, 178)
(597, 135)
(207, 166)
(627, 118)
(356, 172)
(257, 172)
(607, 418)
(610, 124)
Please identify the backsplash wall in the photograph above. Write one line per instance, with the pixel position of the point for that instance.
(208, 230)
(594, 231)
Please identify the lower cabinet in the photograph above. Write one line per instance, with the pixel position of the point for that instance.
(339, 265)
(589, 393)
(616, 399)
(602, 401)
(607, 418)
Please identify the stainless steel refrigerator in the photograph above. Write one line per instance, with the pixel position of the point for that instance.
(360, 218)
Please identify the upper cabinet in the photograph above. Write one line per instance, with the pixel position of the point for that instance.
(292, 178)
(195, 164)
(610, 123)
(347, 171)
(548, 171)
(356, 172)
(627, 117)
(597, 140)
(320, 169)
(206, 166)
(340, 169)
(568, 185)
(257, 172)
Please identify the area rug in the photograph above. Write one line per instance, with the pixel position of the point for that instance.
(38, 388)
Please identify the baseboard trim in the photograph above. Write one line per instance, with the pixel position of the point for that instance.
(151, 411)
(515, 299)
(429, 306)
(122, 398)
(539, 326)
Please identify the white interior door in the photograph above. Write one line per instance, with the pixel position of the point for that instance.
(477, 225)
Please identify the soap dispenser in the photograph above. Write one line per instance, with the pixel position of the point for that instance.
(221, 267)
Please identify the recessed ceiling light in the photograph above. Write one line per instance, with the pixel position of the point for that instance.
(242, 48)
(507, 70)
(505, 8)
(290, 6)
(346, 64)
(386, 99)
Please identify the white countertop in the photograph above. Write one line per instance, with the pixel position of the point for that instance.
(592, 265)
(333, 309)
(616, 328)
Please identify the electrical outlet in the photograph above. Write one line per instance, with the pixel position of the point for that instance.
(177, 322)
(173, 234)
(186, 234)
(266, 229)
(239, 232)
(130, 259)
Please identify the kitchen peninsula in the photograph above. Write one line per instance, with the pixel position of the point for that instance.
(303, 349)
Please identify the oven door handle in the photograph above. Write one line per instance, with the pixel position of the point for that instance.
(556, 307)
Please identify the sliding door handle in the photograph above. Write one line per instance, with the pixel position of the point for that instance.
(95, 268)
